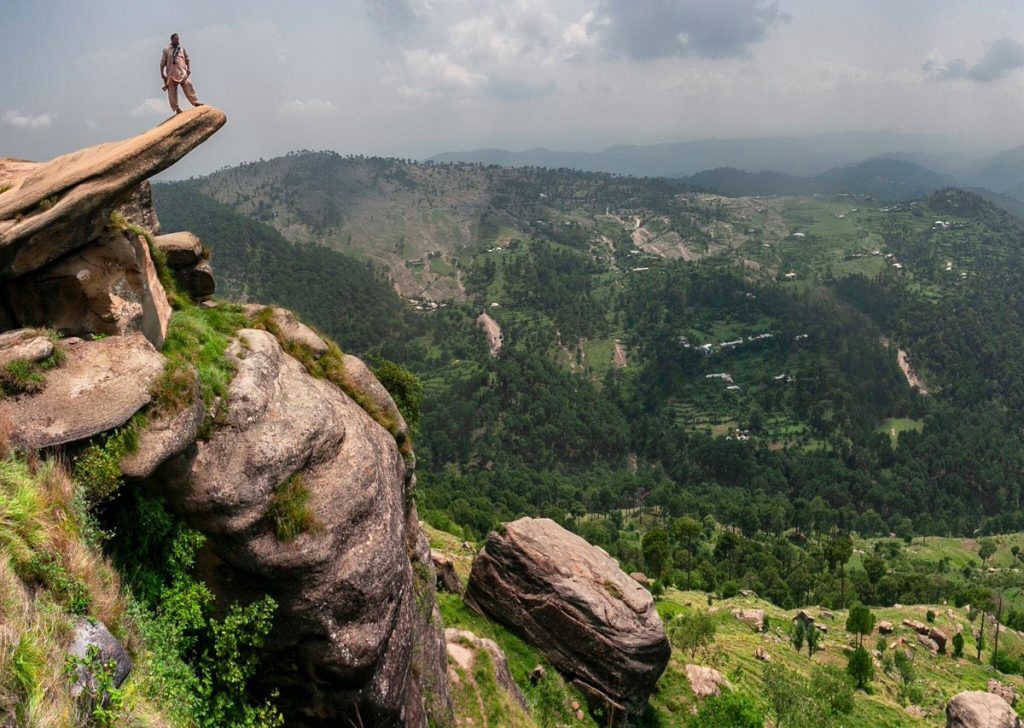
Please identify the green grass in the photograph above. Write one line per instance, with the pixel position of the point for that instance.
(895, 425)
(940, 676)
(550, 701)
(195, 347)
(27, 377)
(289, 510)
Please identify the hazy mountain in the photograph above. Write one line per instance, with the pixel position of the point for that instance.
(883, 178)
(791, 155)
(1003, 172)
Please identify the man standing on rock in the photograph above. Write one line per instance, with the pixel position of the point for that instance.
(175, 71)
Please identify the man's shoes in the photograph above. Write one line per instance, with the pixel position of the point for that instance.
(198, 104)
(177, 111)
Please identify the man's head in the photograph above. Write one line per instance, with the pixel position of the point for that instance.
(174, 39)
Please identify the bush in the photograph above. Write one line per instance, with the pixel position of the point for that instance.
(404, 387)
(958, 645)
(731, 710)
(860, 668)
(930, 615)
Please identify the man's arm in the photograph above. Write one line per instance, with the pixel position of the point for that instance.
(163, 65)
(188, 63)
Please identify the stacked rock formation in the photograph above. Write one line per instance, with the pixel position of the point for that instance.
(570, 599)
(357, 637)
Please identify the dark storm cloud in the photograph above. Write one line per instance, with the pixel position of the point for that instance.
(1002, 57)
(648, 29)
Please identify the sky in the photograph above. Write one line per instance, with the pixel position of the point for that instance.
(412, 78)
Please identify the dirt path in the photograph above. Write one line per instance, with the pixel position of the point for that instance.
(492, 330)
(912, 379)
(908, 371)
(619, 360)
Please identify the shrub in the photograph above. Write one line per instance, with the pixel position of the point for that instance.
(930, 615)
(692, 631)
(404, 387)
(731, 710)
(98, 468)
(958, 645)
(860, 667)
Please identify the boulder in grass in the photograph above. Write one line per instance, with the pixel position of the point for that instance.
(977, 709)
(573, 602)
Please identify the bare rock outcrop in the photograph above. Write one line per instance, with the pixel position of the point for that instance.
(138, 209)
(463, 646)
(187, 258)
(343, 633)
(24, 345)
(447, 578)
(56, 207)
(165, 437)
(572, 601)
(287, 326)
(362, 378)
(98, 387)
(706, 681)
(753, 617)
(977, 709)
(111, 287)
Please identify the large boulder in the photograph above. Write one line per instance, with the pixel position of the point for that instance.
(109, 288)
(286, 325)
(976, 709)
(98, 387)
(343, 638)
(753, 617)
(573, 602)
(186, 257)
(182, 249)
(706, 681)
(59, 206)
(363, 380)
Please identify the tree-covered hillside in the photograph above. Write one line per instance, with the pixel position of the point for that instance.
(739, 357)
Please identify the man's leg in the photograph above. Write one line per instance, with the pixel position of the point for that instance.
(172, 96)
(190, 92)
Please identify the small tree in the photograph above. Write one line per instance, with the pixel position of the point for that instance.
(986, 548)
(958, 645)
(813, 638)
(930, 615)
(861, 622)
(692, 631)
(860, 668)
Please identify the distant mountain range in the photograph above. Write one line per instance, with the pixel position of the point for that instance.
(887, 166)
(791, 155)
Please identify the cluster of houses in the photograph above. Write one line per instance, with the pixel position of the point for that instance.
(709, 349)
(420, 304)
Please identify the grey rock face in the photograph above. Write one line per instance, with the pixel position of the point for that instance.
(572, 601)
(100, 385)
(111, 654)
(343, 638)
(24, 345)
(976, 709)
(110, 287)
(138, 208)
(164, 438)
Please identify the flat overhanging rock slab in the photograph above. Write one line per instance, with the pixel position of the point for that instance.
(58, 206)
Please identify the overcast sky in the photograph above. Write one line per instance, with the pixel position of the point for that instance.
(418, 77)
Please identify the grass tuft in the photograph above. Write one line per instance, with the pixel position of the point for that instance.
(290, 512)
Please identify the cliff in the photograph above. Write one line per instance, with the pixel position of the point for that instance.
(288, 457)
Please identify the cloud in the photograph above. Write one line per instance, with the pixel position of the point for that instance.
(151, 107)
(308, 107)
(427, 75)
(397, 14)
(1002, 57)
(665, 28)
(513, 89)
(18, 120)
